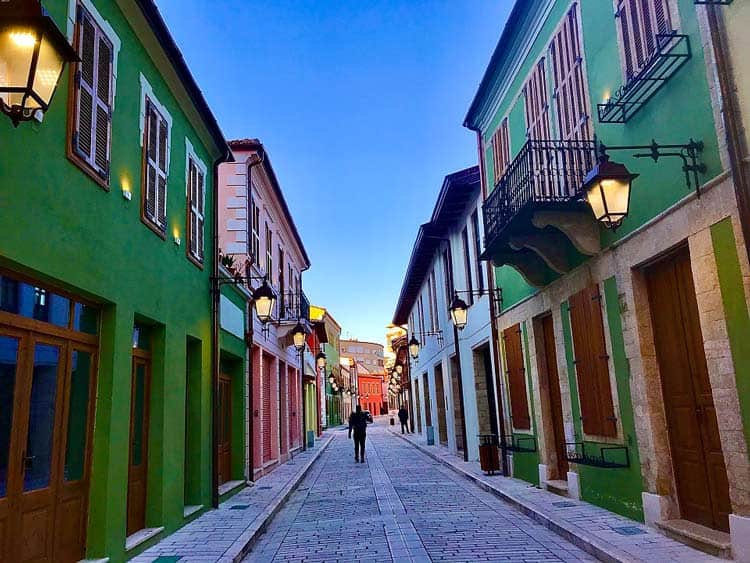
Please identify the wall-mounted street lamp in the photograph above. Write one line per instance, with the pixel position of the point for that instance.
(299, 334)
(459, 310)
(264, 300)
(33, 53)
(415, 345)
(321, 360)
(607, 186)
(399, 369)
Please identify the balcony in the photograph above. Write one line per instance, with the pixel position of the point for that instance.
(535, 219)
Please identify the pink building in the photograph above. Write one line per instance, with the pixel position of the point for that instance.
(257, 230)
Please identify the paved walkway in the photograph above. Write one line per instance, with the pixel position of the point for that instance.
(400, 506)
(611, 536)
(225, 534)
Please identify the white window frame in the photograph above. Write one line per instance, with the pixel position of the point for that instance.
(192, 158)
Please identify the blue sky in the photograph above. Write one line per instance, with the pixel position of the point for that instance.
(360, 105)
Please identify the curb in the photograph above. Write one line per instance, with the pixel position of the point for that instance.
(593, 546)
(242, 545)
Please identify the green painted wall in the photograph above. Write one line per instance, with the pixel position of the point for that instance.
(686, 93)
(616, 489)
(736, 311)
(61, 228)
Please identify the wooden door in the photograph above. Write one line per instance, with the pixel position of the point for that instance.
(78, 416)
(12, 353)
(41, 398)
(139, 423)
(555, 399)
(519, 403)
(697, 458)
(267, 404)
(46, 420)
(225, 429)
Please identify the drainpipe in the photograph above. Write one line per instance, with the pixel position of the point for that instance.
(495, 344)
(227, 157)
(732, 120)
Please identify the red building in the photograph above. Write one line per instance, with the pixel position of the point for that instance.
(370, 389)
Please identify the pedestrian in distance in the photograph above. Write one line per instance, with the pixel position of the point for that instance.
(403, 416)
(358, 424)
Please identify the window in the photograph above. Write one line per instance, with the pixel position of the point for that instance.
(93, 96)
(421, 315)
(519, 404)
(478, 251)
(536, 105)
(254, 239)
(570, 94)
(448, 270)
(640, 22)
(430, 299)
(269, 253)
(196, 218)
(433, 288)
(501, 150)
(282, 286)
(467, 267)
(591, 363)
(155, 175)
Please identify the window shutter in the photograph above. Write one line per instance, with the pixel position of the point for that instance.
(640, 21)
(535, 98)
(103, 107)
(519, 404)
(201, 194)
(570, 94)
(83, 135)
(594, 391)
(501, 149)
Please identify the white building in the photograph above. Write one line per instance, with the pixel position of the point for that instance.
(445, 262)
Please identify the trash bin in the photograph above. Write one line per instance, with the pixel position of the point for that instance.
(393, 422)
(489, 453)
(430, 435)
(311, 438)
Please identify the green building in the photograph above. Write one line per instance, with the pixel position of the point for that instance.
(105, 296)
(623, 348)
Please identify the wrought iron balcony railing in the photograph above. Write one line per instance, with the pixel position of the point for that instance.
(293, 305)
(544, 172)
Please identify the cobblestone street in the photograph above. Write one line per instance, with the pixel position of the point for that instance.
(400, 506)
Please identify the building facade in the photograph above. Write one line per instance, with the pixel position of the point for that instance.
(259, 240)
(370, 362)
(452, 381)
(623, 349)
(105, 299)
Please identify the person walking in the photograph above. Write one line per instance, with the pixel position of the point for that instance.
(358, 423)
(403, 416)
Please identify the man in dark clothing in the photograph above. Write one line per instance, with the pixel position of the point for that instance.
(403, 416)
(358, 423)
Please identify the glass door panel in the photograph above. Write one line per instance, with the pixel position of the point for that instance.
(8, 365)
(78, 410)
(40, 436)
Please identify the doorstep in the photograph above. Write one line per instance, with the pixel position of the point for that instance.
(230, 486)
(607, 536)
(141, 536)
(557, 486)
(711, 541)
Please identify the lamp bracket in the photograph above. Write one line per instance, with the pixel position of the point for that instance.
(437, 333)
(496, 297)
(689, 153)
